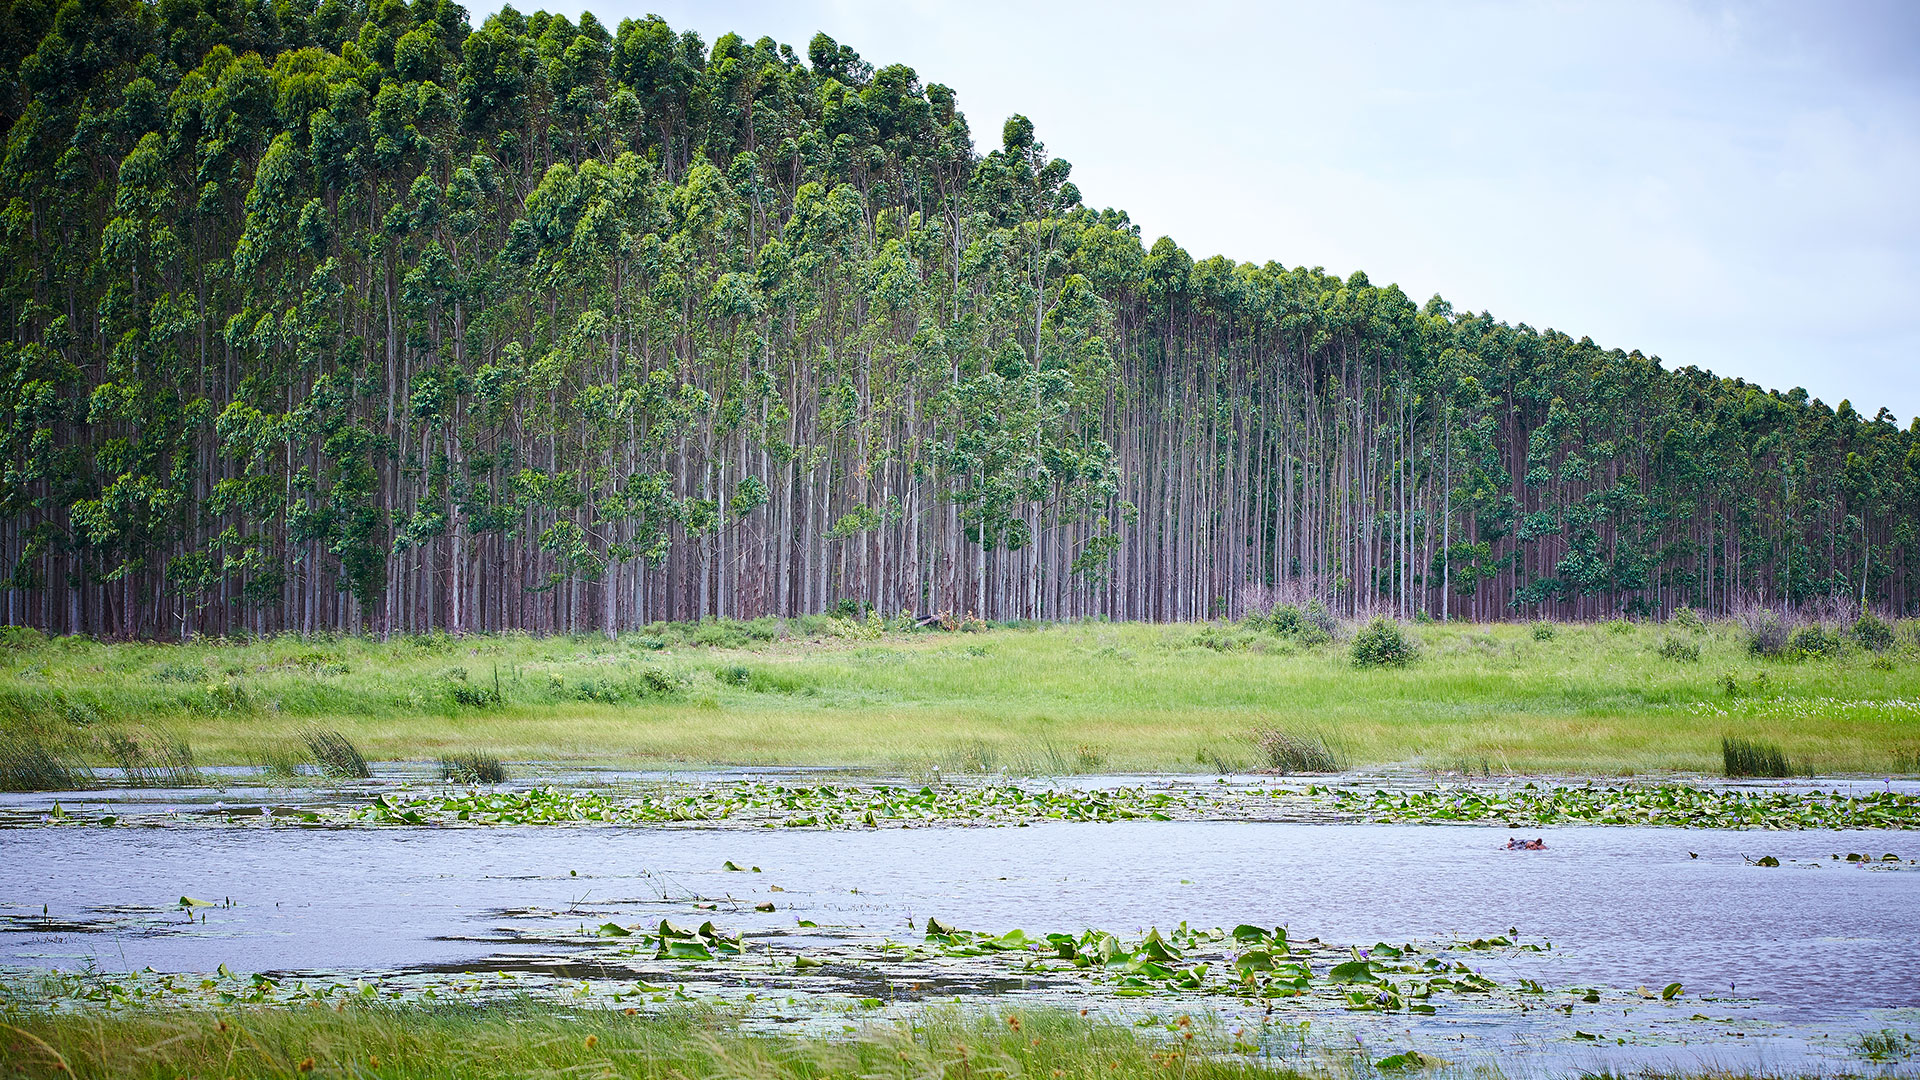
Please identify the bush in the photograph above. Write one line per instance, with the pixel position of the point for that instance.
(1813, 641)
(1543, 631)
(1287, 753)
(1384, 643)
(1676, 649)
(1766, 631)
(1687, 619)
(1618, 626)
(1744, 758)
(734, 675)
(1870, 632)
(21, 638)
(473, 768)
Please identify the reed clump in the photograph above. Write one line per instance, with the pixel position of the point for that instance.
(149, 758)
(337, 757)
(1750, 757)
(33, 760)
(473, 767)
(1286, 753)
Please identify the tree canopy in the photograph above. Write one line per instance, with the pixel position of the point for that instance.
(345, 315)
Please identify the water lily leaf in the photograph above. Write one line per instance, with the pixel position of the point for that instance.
(190, 902)
(1672, 991)
(1587, 1035)
(614, 930)
(1766, 860)
(731, 865)
(804, 962)
(1353, 971)
(683, 950)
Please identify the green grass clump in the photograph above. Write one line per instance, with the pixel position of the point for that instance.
(1743, 757)
(337, 757)
(150, 758)
(32, 761)
(1287, 753)
(473, 768)
(515, 1041)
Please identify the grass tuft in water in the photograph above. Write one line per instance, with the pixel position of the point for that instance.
(1754, 758)
(473, 768)
(1287, 753)
(337, 757)
(33, 761)
(152, 758)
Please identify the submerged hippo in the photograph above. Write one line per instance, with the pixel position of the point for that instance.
(1536, 844)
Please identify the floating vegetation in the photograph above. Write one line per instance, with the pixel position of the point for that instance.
(1665, 804)
(473, 768)
(1754, 758)
(337, 757)
(824, 806)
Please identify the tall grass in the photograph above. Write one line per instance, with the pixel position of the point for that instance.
(32, 761)
(473, 767)
(1743, 757)
(515, 1041)
(1287, 753)
(148, 758)
(336, 755)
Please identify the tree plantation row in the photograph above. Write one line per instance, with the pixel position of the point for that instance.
(347, 316)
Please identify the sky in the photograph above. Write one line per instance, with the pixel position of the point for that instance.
(1733, 186)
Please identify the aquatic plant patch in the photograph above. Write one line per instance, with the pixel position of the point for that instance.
(1665, 804)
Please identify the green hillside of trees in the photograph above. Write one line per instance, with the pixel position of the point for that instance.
(349, 316)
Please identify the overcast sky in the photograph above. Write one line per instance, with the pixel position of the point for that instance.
(1734, 186)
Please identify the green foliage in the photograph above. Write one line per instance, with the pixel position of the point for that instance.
(337, 757)
(1686, 618)
(473, 767)
(34, 760)
(1813, 641)
(1743, 757)
(356, 317)
(1384, 643)
(1766, 631)
(1543, 631)
(1287, 753)
(1872, 632)
(1680, 649)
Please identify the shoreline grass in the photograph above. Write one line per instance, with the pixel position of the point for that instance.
(1593, 699)
(531, 1040)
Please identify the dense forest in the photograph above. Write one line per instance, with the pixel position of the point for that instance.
(354, 316)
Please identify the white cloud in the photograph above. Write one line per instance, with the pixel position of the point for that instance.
(1724, 185)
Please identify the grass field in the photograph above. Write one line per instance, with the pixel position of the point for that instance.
(416, 1042)
(1601, 699)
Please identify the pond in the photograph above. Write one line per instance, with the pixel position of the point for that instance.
(1780, 966)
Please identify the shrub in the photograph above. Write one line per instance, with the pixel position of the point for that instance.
(336, 756)
(1766, 631)
(1676, 649)
(472, 696)
(1752, 758)
(1687, 619)
(1813, 640)
(734, 675)
(1320, 618)
(21, 638)
(1287, 620)
(660, 681)
(1384, 643)
(1870, 632)
(1543, 631)
(473, 768)
(1618, 626)
(1286, 753)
